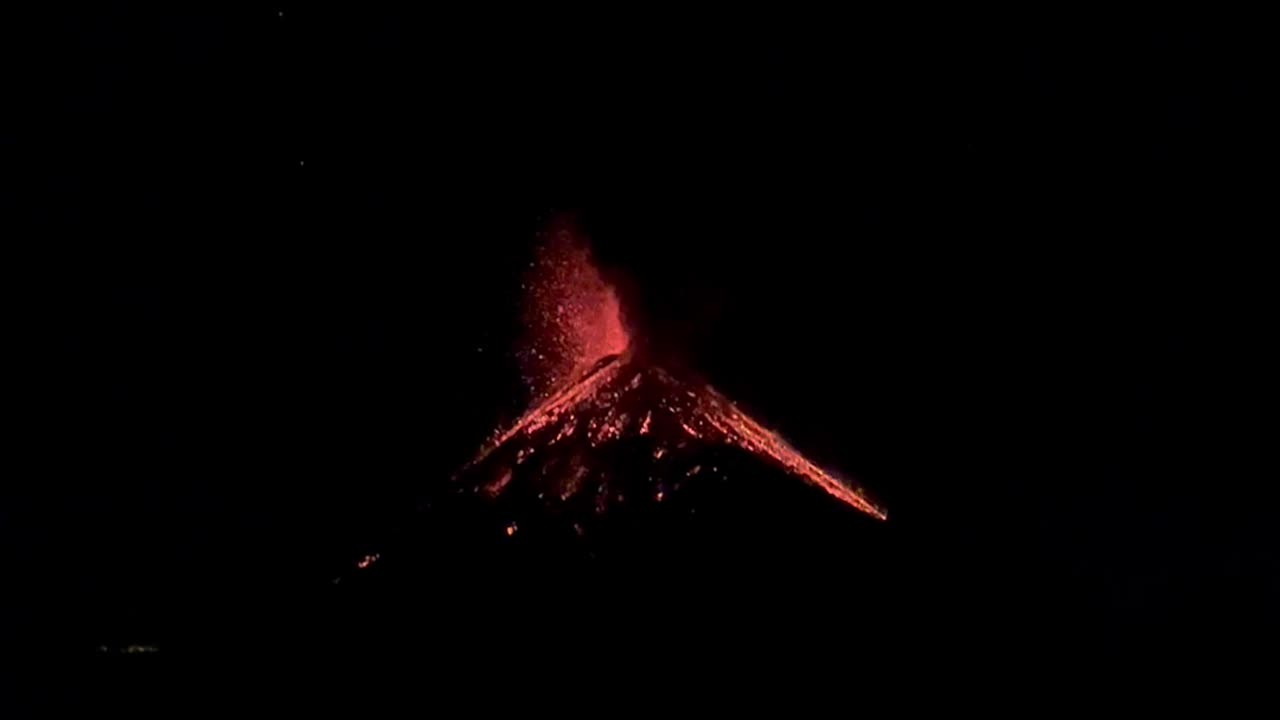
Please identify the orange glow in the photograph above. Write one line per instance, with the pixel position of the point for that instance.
(511, 529)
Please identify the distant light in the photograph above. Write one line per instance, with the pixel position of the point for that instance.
(129, 649)
(511, 529)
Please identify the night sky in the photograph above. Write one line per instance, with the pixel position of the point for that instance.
(270, 263)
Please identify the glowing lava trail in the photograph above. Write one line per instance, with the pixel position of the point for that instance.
(597, 399)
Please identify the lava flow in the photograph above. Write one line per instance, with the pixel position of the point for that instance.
(601, 407)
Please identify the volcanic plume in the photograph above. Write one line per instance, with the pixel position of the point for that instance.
(607, 425)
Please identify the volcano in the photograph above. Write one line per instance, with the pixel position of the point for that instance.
(607, 422)
(607, 425)
(628, 428)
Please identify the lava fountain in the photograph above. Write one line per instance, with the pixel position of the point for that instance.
(599, 404)
(572, 317)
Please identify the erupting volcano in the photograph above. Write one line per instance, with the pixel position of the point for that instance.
(606, 424)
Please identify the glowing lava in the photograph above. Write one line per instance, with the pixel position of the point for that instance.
(624, 398)
(597, 397)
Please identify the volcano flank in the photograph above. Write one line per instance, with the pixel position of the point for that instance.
(627, 428)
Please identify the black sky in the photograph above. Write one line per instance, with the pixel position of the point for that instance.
(1004, 273)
